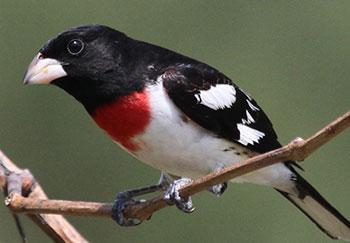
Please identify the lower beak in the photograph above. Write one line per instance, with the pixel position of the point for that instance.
(43, 70)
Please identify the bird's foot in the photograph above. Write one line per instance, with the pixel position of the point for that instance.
(218, 189)
(123, 200)
(172, 195)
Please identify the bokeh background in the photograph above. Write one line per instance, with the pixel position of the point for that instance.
(292, 56)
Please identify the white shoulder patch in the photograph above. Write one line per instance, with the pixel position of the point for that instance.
(249, 135)
(217, 97)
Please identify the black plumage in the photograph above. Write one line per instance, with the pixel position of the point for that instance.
(99, 65)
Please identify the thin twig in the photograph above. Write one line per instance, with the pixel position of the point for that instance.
(19, 227)
(298, 149)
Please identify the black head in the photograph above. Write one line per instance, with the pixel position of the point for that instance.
(90, 62)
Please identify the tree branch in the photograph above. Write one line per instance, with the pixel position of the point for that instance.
(16, 181)
(298, 149)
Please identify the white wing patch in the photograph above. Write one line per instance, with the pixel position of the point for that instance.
(253, 107)
(249, 120)
(217, 97)
(249, 135)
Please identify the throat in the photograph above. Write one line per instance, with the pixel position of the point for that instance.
(125, 118)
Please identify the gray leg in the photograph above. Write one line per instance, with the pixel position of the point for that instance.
(125, 199)
(172, 195)
(168, 183)
(166, 179)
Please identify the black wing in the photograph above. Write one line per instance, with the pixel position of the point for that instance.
(213, 101)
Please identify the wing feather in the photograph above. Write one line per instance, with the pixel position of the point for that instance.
(213, 101)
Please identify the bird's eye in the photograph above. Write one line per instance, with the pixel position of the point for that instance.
(75, 47)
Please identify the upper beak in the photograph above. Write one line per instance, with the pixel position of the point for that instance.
(43, 70)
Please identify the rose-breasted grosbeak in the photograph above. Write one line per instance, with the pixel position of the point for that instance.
(173, 113)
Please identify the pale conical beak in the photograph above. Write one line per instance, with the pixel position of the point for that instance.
(43, 70)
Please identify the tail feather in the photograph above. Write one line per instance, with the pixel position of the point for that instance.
(317, 209)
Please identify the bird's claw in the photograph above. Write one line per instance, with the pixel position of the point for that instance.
(218, 189)
(172, 195)
(123, 200)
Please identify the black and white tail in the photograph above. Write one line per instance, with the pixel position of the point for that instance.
(316, 208)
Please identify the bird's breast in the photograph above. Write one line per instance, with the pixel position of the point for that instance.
(125, 118)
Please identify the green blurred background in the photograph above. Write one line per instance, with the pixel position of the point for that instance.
(292, 56)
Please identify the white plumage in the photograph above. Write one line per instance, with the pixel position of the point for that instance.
(217, 97)
(249, 119)
(183, 148)
(249, 135)
(253, 107)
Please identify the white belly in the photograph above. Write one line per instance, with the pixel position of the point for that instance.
(180, 147)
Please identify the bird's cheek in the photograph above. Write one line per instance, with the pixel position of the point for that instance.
(43, 70)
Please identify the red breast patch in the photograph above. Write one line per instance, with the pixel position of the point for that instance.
(125, 118)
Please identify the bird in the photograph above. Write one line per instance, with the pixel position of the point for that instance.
(173, 113)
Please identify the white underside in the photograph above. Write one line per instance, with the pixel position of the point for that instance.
(185, 149)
